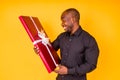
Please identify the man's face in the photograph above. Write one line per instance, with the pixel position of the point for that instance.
(67, 23)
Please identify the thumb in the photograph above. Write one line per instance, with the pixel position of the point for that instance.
(60, 66)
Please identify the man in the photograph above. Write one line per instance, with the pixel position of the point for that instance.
(78, 49)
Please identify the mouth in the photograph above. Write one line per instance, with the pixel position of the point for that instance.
(65, 28)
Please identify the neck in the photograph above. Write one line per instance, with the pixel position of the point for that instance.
(74, 29)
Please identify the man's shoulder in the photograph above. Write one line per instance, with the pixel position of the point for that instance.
(87, 36)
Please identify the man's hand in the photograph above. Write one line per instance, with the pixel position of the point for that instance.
(36, 50)
(62, 70)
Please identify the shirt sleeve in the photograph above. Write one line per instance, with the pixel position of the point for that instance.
(91, 57)
(56, 43)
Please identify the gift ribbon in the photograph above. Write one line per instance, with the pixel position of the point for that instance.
(43, 39)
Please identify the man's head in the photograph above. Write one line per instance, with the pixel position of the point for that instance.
(70, 19)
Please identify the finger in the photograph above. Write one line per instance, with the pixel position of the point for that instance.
(56, 71)
(36, 50)
(60, 66)
(35, 47)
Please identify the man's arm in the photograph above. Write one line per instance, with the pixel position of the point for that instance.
(91, 57)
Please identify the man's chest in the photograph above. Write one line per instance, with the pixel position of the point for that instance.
(73, 44)
(72, 50)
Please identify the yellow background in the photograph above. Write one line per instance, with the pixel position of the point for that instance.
(18, 61)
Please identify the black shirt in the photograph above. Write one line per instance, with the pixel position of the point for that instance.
(79, 53)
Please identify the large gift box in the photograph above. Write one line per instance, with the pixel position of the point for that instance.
(40, 40)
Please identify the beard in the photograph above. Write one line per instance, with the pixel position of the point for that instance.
(68, 28)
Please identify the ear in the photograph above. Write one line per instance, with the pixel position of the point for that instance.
(72, 19)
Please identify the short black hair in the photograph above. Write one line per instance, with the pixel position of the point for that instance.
(75, 13)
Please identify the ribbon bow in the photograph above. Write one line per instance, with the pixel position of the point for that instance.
(43, 39)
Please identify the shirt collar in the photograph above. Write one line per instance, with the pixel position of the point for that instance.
(78, 31)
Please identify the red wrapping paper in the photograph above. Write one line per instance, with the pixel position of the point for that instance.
(47, 53)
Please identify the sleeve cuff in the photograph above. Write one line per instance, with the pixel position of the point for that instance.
(71, 71)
